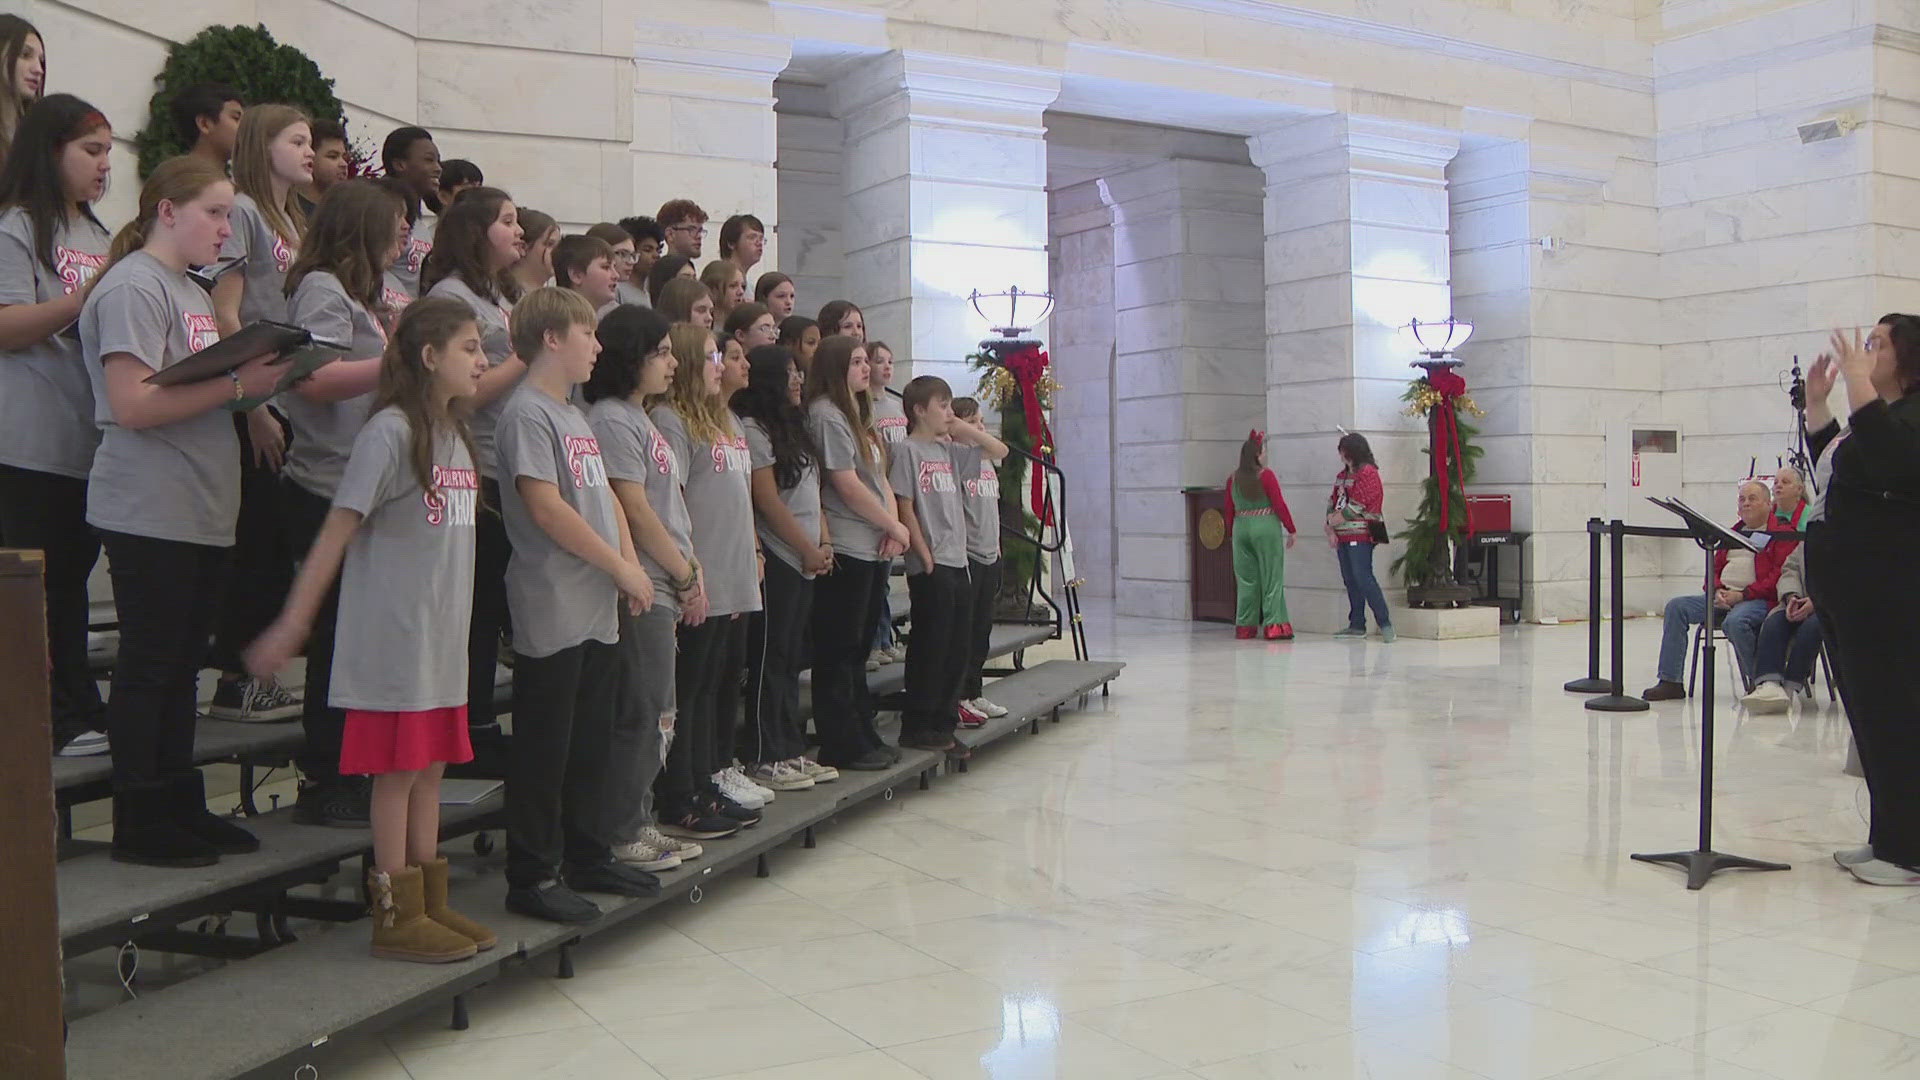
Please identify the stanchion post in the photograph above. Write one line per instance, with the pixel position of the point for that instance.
(29, 915)
(1617, 699)
(1593, 683)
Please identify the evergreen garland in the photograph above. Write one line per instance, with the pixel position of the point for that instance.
(246, 58)
(1422, 536)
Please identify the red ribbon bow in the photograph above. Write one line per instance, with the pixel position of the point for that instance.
(1445, 449)
(1028, 367)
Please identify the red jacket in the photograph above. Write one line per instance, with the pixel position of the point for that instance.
(1766, 567)
(1271, 485)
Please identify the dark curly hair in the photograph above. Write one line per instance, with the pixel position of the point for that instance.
(627, 335)
(765, 401)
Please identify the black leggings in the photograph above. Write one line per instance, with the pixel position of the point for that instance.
(845, 604)
(490, 554)
(986, 589)
(776, 641)
(695, 672)
(304, 513)
(49, 512)
(168, 596)
(262, 561)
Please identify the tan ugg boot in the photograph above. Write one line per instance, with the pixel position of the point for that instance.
(401, 929)
(434, 876)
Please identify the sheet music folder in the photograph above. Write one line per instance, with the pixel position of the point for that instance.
(1705, 526)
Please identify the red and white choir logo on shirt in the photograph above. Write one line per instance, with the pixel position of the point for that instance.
(731, 456)
(454, 498)
(891, 428)
(661, 453)
(416, 253)
(394, 300)
(583, 461)
(936, 476)
(282, 255)
(76, 268)
(202, 330)
(985, 485)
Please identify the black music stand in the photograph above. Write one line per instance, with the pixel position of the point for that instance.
(1703, 862)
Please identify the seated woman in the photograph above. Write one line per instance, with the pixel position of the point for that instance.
(1744, 589)
(1789, 642)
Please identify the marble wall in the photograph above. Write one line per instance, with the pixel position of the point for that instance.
(1082, 350)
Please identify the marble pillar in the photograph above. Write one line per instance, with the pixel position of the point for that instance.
(1188, 363)
(1356, 245)
(1081, 346)
(811, 194)
(945, 192)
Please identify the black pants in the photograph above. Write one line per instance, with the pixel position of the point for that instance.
(728, 693)
(986, 587)
(168, 597)
(845, 604)
(490, 554)
(304, 513)
(695, 669)
(1867, 596)
(563, 709)
(776, 639)
(938, 649)
(49, 512)
(261, 570)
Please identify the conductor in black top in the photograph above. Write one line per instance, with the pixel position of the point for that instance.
(1864, 579)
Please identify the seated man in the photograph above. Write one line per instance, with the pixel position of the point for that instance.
(1744, 583)
(1789, 643)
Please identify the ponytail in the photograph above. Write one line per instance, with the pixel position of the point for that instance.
(176, 180)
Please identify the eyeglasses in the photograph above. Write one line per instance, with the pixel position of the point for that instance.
(717, 358)
(697, 230)
(627, 257)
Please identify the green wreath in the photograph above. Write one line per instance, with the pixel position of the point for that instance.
(246, 58)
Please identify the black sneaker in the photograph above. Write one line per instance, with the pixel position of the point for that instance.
(696, 823)
(871, 761)
(79, 740)
(253, 701)
(613, 877)
(336, 804)
(721, 806)
(552, 901)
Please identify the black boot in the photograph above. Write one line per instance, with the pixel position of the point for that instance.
(189, 793)
(145, 830)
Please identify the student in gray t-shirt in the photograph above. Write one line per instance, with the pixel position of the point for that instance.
(47, 434)
(257, 289)
(786, 498)
(164, 490)
(572, 561)
(975, 453)
(931, 504)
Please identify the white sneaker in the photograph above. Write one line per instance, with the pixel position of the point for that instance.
(876, 658)
(1768, 697)
(1852, 857)
(1881, 872)
(986, 708)
(766, 792)
(821, 774)
(898, 652)
(734, 786)
(687, 850)
(87, 744)
(645, 856)
(779, 775)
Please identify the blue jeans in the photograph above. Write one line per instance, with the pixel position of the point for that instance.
(1787, 650)
(1363, 589)
(1742, 625)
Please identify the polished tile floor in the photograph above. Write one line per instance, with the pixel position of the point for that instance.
(1321, 860)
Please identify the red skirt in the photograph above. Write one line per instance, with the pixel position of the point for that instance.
(385, 742)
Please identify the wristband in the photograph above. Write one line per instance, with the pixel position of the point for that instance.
(239, 392)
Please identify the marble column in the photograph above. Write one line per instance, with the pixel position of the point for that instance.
(703, 119)
(1356, 245)
(1081, 346)
(811, 194)
(1188, 364)
(945, 181)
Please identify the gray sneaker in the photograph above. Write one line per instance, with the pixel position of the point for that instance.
(1853, 857)
(84, 744)
(253, 701)
(1387, 634)
(1352, 632)
(671, 845)
(645, 856)
(1881, 872)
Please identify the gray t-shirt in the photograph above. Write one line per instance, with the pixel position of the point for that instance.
(268, 255)
(626, 292)
(980, 490)
(178, 481)
(802, 499)
(406, 587)
(720, 504)
(853, 535)
(323, 435)
(497, 343)
(924, 469)
(405, 271)
(889, 418)
(635, 452)
(46, 401)
(395, 294)
(558, 600)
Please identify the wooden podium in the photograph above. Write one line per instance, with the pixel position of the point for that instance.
(1209, 556)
